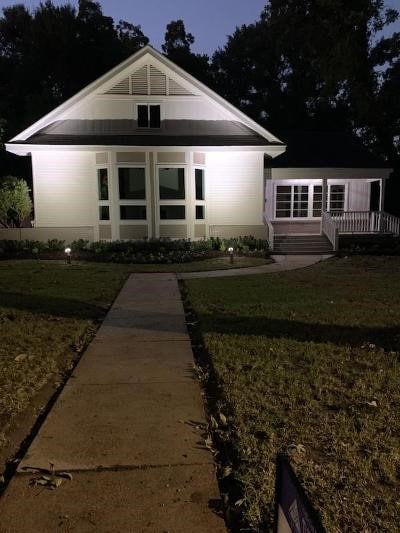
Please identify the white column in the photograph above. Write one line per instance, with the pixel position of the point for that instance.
(114, 197)
(324, 195)
(382, 196)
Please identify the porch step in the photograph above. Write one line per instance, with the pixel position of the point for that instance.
(302, 245)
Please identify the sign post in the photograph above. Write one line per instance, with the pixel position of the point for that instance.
(294, 513)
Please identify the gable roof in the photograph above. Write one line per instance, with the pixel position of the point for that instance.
(321, 149)
(119, 73)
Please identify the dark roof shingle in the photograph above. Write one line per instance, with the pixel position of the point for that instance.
(126, 133)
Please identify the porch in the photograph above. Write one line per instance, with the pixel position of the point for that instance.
(334, 224)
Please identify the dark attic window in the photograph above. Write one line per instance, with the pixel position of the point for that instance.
(149, 116)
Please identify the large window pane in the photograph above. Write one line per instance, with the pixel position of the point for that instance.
(172, 212)
(104, 212)
(102, 180)
(172, 183)
(133, 212)
(155, 116)
(143, 116)
(199, 178)
(132, 183)
(199, 212)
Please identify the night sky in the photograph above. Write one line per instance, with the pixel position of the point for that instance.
(210, 21)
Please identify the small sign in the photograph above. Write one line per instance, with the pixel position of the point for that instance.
(294, 513)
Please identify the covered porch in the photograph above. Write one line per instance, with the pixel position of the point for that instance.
(318, 211)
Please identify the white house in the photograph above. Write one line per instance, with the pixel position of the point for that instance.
(149, 151)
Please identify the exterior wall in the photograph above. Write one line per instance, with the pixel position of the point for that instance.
(44, 234)
(359, 195)
(234, 188)
(64, 187)
(259, 232)
(67, 205)
(124, 107)
(285, 228)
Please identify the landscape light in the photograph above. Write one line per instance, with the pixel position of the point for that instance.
(68, 254)
(230, 250)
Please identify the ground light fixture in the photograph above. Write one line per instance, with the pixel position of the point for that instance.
(230, 251)
(68, 255)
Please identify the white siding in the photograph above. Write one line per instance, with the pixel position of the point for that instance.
(65, 188)
(359, 192)
(234, 188)
(114, 107)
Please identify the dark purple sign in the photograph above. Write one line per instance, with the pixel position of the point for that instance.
(294, 513)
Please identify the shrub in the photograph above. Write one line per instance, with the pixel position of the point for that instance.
(154, 251)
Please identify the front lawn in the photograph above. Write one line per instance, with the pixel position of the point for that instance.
(308, 363)
(47, 313)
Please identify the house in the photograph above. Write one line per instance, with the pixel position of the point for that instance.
(147, 151)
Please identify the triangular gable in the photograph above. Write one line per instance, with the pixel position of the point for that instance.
(149, 80)
(161, 75)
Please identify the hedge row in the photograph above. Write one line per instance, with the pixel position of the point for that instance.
(143, 251)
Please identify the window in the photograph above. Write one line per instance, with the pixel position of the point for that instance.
(102, 181)
(133, 212)
(132, 183)
(172, 183)
(336, 197)
(300, 201)
(104, 212)
(283, 201)
(317, 201)
(172, 212)
(199, 179)
(199, 212)
(148, 116)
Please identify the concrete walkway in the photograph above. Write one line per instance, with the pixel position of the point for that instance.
(129, 427)
(281, 264)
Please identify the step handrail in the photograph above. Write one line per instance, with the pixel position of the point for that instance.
(270, 233)
(330, 229)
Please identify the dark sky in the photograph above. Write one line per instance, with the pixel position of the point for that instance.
(210, 21)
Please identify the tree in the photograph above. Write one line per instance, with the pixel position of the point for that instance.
(177, 47)
(15, 202)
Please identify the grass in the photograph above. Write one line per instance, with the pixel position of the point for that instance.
(307, 363)
(47, 311)
(214, 263)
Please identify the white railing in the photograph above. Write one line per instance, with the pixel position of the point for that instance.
(330, 230)
(365, 222)
(270, 233)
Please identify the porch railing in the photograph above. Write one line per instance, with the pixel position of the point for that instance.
(270, 233)
(365, 222)
(330, 230)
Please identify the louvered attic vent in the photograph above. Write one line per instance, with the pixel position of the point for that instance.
(149, 80)
(122, 87)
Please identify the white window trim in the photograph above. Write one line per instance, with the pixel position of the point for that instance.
(310, 185)
(103, 203)
(200, 202)
(149, 103)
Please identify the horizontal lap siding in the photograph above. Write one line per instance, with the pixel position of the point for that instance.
(234, 188)
(65, 190)
(358, 195)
